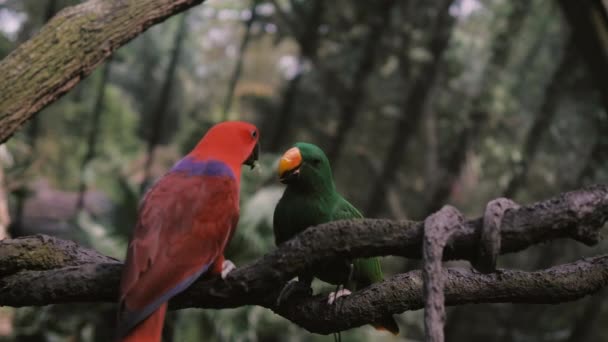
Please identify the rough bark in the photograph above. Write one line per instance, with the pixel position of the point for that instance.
(413, 108)
(61, 272)
(32, 131)
(68, 48)
(403, 292)
(438, 229)
(42, 252)
(489, 237)
(99, 282)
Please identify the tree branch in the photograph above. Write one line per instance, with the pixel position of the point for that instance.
(79, 275)
(438, 229)
(397, 294)
(403, 292)
(68, 48)
(43, 252)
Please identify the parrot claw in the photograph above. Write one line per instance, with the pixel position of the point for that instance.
(333, 296)
(227, 267)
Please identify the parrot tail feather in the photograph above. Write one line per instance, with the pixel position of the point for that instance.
(150, 329)
(388, 324)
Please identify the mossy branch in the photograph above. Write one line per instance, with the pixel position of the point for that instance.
(61, 272)
(68, 48)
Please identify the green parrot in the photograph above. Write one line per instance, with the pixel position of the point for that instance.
(311, 199)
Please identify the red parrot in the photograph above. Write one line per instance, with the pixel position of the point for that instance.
(184, 223)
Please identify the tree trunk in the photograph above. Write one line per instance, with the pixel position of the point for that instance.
(69, 48)
(413, 108)
(32, 131)
(502, 45)
(308, 39)
(93, 133)
(285, 111)
(350, 104)
(164, 98)
(589, 22)
(531, 55)
(236, 74)
(453, 165)
(543, 119)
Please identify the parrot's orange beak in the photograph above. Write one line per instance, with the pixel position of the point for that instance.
(289, 164)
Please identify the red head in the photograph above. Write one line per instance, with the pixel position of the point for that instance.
(232, 142)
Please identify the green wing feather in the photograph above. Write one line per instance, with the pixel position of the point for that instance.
(366, 271)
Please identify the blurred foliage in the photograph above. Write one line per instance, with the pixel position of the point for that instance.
(287, 55)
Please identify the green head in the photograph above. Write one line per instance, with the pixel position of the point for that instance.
(306, 167)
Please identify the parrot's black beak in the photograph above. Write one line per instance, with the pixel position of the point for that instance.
(253, 157)
(289, 176)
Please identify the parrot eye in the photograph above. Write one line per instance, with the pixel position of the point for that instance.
(316, 162)
(254, 134)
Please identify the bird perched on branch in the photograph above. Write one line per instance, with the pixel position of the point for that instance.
(311, 199)
(184, 223)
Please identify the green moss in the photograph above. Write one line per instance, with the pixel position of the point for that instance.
(30, 257)
(45, 257)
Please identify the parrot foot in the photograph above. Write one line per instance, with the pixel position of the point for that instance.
(333, 296)
(294, 288)
(227, 267)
